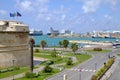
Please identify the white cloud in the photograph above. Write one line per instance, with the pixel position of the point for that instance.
(26, 5)
(38, 6)
(61, 10)
(107, 16)
(93, 5)
(92, 19)
(48, 18)
(63, 17)
(113, 2)
(3, 12)
(90, 5)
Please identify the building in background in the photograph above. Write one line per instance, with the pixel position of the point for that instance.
(53, 32)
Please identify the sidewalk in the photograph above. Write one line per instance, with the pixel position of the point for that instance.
(111, 70)
(22, 74)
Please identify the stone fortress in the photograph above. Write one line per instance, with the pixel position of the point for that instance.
(14, 48)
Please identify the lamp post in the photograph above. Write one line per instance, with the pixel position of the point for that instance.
(13, 67)
(95, 66)
(32, 42)
(80, 73)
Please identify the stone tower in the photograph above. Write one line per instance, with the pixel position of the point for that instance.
(14, 44)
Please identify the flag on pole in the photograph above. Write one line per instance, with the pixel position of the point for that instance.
(16, 14)
(12, 14)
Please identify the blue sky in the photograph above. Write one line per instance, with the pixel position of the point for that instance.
(76, 15)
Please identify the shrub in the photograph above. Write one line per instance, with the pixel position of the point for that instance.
(53, 54)
(10, 69)
(2, 71)
(99, 73)
(69, 62)
(30, 75)
(47, 69)
(16, 68)
(110, 62)
(49, 62)
(36, 50)
(94, 77)
(103, 69)
(97, 49)
(59, 58)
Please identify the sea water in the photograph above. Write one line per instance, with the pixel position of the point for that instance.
(55, 41)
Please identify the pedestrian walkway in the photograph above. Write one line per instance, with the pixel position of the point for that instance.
(22, 74)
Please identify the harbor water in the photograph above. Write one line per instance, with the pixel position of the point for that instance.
(55, 41)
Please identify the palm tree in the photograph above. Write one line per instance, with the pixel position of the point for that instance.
(32, 42)
(43, 43)
(74, 47)
(65, 43)
(60, 43)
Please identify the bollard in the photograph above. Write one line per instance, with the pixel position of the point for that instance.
(64, 77)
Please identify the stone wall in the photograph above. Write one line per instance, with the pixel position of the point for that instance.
(14, 46)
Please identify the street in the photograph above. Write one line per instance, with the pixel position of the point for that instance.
(85, 70)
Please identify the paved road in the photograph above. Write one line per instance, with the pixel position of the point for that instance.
(87, 68)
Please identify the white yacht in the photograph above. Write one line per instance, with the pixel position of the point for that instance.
(35, 32)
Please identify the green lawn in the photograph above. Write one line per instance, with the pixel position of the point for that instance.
(103, 51)
(118, 54)
(80, 57)
(14, 72)
(58, 59)
(47, 54)
(42, 76)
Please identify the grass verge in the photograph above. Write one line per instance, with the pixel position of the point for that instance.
(14, 72)
(42, 75)
(103, 51)
(118, 54)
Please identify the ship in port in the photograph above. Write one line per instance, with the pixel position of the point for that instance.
(36, 32)
(53, 32)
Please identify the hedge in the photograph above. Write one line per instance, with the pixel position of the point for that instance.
(103, 70)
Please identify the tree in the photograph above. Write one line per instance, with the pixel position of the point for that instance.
(43, 44)
(47, 69)
(65, 43)
(74, 47)
(60, 43)
(54, 53)
(32, 42)
(69, 62)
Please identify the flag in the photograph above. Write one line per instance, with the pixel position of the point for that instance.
(18, 14)
(12, 14)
